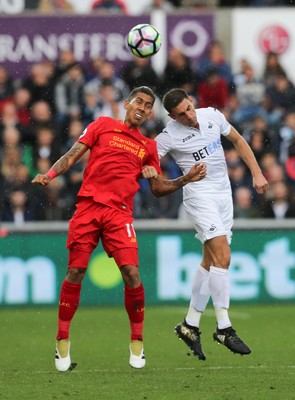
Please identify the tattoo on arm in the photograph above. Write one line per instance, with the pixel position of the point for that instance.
(69, 158)
(168, 186)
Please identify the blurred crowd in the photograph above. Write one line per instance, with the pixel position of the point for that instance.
(43, 114)
(129, 7)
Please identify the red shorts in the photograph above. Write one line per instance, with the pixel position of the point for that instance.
(92, 222)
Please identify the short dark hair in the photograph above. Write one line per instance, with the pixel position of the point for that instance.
(173, 98)
(142, 89)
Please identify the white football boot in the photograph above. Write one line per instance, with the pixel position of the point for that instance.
(137, 358)
(62, 355)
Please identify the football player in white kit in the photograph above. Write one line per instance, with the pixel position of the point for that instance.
(194, 135)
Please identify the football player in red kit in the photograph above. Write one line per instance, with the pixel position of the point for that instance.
(119, 156)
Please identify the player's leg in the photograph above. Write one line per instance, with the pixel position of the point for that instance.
(218, 249)
(188, 330)
(119, 241)
(82, 239)
(134, 300)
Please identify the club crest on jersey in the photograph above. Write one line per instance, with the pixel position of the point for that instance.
(210, 125)
(83, 133)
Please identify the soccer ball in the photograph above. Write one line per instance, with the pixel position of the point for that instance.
(144, 40)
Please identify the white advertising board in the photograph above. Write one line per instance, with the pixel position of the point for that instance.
(258, 31)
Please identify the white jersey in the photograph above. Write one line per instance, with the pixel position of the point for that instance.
(190, 145)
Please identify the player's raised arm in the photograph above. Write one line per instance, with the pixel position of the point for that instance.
(62, 165)
(161, 187)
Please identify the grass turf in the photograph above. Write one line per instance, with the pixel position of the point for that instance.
(100, 338)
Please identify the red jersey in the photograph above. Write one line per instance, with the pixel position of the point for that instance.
(117, 155)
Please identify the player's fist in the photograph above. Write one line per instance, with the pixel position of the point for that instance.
(197, 172)
(149, 172)
(41, 179)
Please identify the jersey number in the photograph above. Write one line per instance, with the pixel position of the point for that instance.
(130, 230)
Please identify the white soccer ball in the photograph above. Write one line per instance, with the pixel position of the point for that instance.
(144, 40)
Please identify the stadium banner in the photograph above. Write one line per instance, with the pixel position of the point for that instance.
(271, 29)
(33, 266)
(25, 40)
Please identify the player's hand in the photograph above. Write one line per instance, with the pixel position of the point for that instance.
(260, 184)
(196, 173)
(149, 172)
(41, 179)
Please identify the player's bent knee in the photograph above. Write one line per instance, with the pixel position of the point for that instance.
(130, 275)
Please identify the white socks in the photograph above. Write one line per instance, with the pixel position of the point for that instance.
(216, 284)
(219, 289)
(200, 297)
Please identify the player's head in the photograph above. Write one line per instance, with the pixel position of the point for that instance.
(139, 105)
(180, 107)
(142, 89)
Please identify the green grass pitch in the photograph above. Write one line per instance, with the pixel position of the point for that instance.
(100, 339)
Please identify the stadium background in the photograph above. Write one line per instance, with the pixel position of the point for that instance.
(33, 257)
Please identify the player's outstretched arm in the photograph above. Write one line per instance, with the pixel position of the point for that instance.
(61, 165)
(161, 187)
(247, 155)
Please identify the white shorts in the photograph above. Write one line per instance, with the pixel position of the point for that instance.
(211, 216)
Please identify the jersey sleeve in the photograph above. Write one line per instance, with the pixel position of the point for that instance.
(153, 159)
(90, 133)
(224, 124)
(163, 143)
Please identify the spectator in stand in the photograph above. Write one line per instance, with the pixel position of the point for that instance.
(258, 123)
(139, 72)
(17, 208)
(9, 118)
(39, 84)
(6, 87)
(12, 139)
(272, 68)
(75, 128)
(41, 116)
(240, 76)
(286, 137)
(281, 96)
(243, 204)
(105, 72)
(46, 146)
(275, 173)
(178, 73)
(55, 6)
(109, 104)
(116, 6)
(280, 202)
(94, 68)
(66, 59)
(238, 175)
(11, 159)
(22, 99)
(91, 107)
(250, 95)
(216, 59)
(213, 91)
(156, 5)
(68, 95)
(260, 143)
